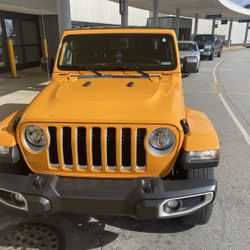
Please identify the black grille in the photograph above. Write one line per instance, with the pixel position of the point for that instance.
(53, 146)
(201, 46)
(111, 147)
(81, 147)
(67, 148)
(126, 147)
(191, 202)
(92, 147)
(140, 149)
(96, 147)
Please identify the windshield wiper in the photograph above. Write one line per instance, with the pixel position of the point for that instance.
(128, 67)
(80, 66)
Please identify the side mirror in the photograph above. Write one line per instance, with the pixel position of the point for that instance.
(47, 64)
(190, 64)
(51, 65)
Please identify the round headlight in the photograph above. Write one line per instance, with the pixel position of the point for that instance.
(35, 137)
(162, 139)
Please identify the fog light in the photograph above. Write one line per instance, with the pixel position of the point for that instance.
(18, 198)
(171, 206)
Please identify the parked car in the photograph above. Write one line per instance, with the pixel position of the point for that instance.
(187, 49)
(110, 135)
(209, 45)
(247, 44)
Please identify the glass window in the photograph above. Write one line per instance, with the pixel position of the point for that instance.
(187, 47)
(30, 32)
(32, 54)
(13, 30)
(204, 38)
(1, 34)
(118, 51)
(18, 55)
(2, 57)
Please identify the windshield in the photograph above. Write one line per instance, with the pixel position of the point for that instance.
(118, 52)
(187, 47)
(204, 38)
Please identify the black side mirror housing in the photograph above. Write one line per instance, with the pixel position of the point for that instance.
(47, 64)
(51, 65)
(190, 64)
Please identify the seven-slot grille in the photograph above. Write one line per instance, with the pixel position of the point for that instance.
(97, 148)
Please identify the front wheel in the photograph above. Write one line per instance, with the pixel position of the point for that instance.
(202, 216)
(219, 54)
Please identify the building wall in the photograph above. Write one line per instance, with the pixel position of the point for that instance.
(35, 7)
(104, 11)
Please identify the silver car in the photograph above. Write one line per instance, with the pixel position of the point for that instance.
(189, 48)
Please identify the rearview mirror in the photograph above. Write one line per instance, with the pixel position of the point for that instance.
(190, 64)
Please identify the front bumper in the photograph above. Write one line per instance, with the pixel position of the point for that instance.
(206, 52)
(140, 198)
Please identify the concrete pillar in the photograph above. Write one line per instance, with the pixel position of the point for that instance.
(64, 16)
(246, 34)
(124, 12)
(196, 24)
(230, 33)
(156, 13)
(213, 26)
(177, 23)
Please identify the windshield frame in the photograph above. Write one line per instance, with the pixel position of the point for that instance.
(158, 67)
(209, 38)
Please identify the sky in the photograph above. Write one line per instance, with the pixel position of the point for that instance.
(241, 2)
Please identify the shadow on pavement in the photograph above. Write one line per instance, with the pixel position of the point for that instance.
(146, 226)
(61, 231)
(8, 109)
(66, 231)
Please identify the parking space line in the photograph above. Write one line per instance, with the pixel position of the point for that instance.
(19, 97)
(235, 119)
(227, 107)
(216, 66)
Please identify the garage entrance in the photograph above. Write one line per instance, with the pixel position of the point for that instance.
(24, 30)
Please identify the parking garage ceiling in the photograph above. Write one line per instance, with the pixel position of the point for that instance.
(228, 9)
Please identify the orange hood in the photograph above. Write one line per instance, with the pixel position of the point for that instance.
(109, 100)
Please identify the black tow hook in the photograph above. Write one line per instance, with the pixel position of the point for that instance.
(39, 182)
(147, 185)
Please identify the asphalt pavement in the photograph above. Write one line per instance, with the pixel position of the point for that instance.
(222, 90)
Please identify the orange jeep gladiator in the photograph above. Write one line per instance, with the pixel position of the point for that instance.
(110, 135)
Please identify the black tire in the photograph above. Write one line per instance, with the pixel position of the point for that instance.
(19, 168)
(219, 54)
(211, 57)
(202, 216)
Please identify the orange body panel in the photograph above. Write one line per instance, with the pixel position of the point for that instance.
(156, 165)
(152, 103)
(7, 135)
(203, 135)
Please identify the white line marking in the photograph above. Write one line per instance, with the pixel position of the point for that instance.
(20, 97)
(235, 119)
(227, 107)
(216, 66)
(44, 83)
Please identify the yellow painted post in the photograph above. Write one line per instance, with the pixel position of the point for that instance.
(12, 57)
(45, 47)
